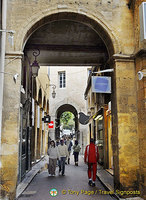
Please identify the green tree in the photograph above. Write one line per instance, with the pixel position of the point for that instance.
(65, 117)
(66, 120)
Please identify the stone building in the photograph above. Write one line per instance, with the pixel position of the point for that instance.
(69, 97)
(34, 105)
(102, 33)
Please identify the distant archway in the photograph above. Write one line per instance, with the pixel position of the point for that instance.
(62, 109)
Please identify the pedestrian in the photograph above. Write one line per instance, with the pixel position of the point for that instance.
(76, 150)
(63, 154)
(53, 155)
(69, 146)
(91, 157)
(57, 142)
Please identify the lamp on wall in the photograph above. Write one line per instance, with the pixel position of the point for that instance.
(53, 92)
(35, 66)
(53, 87)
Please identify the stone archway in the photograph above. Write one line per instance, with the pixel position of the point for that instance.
(105, 38)
(64, 108)
(113, 46)
(99, 25)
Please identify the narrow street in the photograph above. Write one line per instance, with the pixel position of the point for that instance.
(74, 185)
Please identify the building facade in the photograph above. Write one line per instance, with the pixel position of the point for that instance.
(100, 33)
(34, 106)
(70, 86)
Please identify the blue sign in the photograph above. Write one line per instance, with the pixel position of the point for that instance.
(101, 84)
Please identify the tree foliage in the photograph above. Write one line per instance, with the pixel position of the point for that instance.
(66, 120)
(65, 117)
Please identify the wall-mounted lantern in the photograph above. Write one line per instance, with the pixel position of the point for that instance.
(35, 66)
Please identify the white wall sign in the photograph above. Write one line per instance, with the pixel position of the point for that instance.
(38, 121)
(32, 112)
(43, 121)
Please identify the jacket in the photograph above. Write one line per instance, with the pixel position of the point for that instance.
(91, 154)
(53, 152)
(76, 148)
(69, 144)
(62, 150)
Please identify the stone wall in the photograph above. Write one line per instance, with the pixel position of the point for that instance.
(140, 64)
(141, 100)
(114, 16)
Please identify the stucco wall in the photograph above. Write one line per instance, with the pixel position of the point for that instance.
(73, 93)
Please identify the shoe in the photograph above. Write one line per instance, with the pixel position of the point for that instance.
(49, 175)
(76, 164)
(93, 185)
(90, 182)
(63, 174)
(68, 161)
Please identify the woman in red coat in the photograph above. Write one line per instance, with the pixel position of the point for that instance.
(91, 157)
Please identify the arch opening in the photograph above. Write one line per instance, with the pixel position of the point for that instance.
(103, 46)
(66, 108)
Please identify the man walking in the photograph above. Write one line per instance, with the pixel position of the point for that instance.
(91, 157)
(63, 154)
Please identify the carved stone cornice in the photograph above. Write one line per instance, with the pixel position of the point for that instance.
(14, 54)
(120, 58)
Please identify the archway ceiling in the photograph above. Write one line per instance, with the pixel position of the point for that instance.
(67, 43)
(65, 108)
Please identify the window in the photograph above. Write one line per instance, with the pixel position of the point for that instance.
(62, 80)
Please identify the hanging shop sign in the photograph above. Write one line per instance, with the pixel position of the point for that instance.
(46, 119)
(101, 84)
(51, 124)
(83, 119)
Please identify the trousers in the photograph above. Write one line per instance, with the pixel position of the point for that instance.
(52, 166)
(76, 156)
(92, 168)
(62, 164)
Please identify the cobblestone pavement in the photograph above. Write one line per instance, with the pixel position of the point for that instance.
(72, 186)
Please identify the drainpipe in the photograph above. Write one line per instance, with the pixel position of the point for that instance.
(2, 61)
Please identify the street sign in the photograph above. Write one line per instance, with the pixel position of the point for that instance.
(101, 84)
(51, 124)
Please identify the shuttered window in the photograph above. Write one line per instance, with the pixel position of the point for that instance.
(62, 79)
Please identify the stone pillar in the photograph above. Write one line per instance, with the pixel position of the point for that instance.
(125, 139)
(10, 126)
